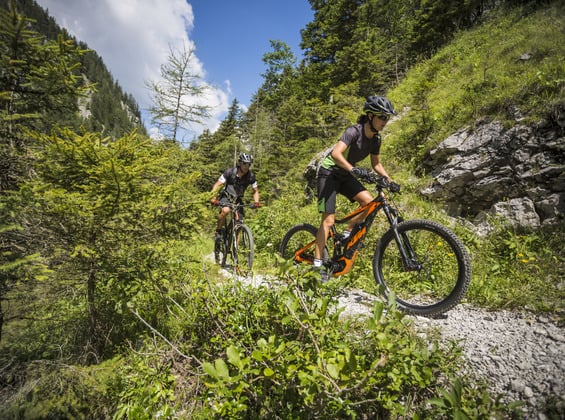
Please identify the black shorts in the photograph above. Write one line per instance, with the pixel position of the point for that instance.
(332, 182)
(226, 199)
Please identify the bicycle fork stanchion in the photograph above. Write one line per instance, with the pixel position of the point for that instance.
(409, 259)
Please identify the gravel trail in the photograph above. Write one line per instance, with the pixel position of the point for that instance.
(521, 355)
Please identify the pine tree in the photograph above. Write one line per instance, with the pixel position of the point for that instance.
(39, 86)
(176, 98)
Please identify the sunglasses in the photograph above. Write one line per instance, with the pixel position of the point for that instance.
(383, 117)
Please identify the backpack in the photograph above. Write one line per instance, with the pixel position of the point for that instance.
(310, 173)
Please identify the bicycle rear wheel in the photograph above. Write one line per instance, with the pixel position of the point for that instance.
(440, 270)
(301, 238)
(243, 250)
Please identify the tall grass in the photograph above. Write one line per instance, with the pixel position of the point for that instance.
(512, 64)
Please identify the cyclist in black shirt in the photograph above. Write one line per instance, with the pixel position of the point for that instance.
(338, 174)
(235, 181)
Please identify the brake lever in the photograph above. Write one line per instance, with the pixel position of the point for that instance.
(382, 182)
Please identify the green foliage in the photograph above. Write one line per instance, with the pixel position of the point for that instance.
(462, 403)
(278, 76)
(375, 42)
(58, 81)
(515, 270)
(270, 223)
(309, 361)
(56, 390)
(38, 83)
(119, 222)
(109, 211)
(145, 389)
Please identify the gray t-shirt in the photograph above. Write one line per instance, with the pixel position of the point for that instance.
(358, 146)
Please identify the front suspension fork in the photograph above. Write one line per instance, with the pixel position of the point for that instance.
(409, 258)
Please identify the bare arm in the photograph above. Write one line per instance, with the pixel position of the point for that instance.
(337, 155)
(378, 167)
(216, 186)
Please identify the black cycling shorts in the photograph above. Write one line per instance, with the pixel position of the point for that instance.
(226, 199)
(332, 182)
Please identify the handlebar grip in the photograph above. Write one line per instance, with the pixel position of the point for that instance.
(382, 182)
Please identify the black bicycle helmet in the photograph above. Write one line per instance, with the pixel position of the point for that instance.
(379, 105)
(245, 158)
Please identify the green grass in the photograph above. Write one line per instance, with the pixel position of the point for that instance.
(481, 75)
(520, 270)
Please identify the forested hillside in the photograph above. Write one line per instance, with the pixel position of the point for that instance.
(110, 304)
(105, 107)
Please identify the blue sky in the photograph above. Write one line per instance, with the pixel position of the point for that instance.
(229, 38)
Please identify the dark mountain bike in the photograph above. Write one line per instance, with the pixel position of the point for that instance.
(421, 262)
(235, 248)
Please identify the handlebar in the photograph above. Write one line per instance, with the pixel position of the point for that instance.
(236, 205)
(381, 182)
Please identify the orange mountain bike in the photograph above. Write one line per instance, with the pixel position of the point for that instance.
(422, 262)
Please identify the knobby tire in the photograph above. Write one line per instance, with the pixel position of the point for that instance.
(443, 278)
(245, 250)
(297, 237)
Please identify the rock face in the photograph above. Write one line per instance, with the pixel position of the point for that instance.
(517, 173)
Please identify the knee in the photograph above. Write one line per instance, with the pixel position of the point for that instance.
(363, 198)
(328, 222)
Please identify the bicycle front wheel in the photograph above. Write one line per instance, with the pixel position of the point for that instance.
(243, 250)
(438, 271)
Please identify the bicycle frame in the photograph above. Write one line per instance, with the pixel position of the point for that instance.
(233, 219)
(342, 260)
(236, 240)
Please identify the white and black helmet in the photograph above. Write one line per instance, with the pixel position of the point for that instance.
(245, 158)
(379, 105)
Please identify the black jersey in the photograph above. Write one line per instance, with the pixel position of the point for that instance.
(235, 185)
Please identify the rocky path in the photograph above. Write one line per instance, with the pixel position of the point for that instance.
(521, 355)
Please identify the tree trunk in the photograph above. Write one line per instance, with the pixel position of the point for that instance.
(90, 299)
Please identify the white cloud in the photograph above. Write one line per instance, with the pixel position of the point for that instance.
(134, 38)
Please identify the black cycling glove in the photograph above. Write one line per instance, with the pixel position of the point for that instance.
(359, 172)
(394, 187)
